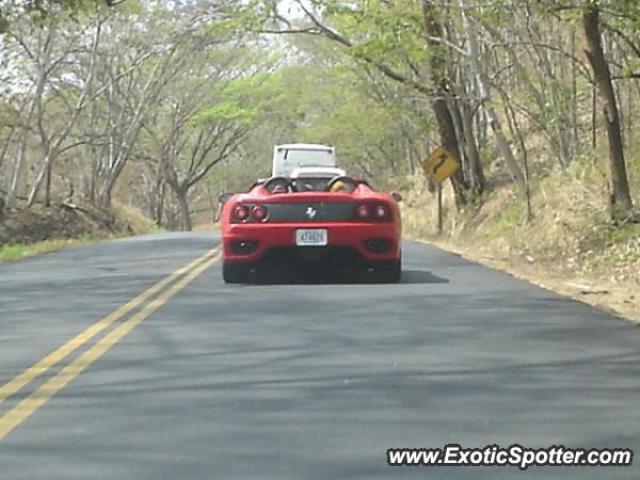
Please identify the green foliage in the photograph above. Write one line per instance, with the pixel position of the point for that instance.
(385, 32)
(38, 10)
(333, 105)
(245, 99)
(225, 110)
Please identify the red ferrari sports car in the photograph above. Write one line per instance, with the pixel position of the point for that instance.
(311, 223)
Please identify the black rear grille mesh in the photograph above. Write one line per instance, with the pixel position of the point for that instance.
(311, 212)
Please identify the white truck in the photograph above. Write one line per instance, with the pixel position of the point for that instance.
(295, 156)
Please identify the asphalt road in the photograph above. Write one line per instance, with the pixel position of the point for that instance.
(307, 381)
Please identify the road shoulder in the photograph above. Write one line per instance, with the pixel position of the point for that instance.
(619, 299)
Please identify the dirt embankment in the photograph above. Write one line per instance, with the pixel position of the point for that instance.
(568, 245)
(65, 221)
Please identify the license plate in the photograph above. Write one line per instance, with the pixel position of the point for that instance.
(311, 237)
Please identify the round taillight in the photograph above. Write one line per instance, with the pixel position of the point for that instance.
(381, 211)
(240, 213)
(362, 211)
(259, 213)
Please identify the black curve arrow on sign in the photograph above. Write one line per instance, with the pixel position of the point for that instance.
(441, 161)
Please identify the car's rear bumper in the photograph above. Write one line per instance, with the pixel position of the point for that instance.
(347, 242)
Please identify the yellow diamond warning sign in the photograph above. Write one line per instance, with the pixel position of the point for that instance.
(440, 165)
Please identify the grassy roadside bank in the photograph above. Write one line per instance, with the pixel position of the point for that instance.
(16, 251)
(31, 230)
(569, 246)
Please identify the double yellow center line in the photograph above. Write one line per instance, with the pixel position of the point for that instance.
(25, 408)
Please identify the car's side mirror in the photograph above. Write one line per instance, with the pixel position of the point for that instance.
(396, 196)
(224, 197)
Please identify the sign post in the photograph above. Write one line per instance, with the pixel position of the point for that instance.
(440, 165)
(439, 209)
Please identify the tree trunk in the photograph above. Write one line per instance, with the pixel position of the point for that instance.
(42, 176)
(456, 115)
(476, 174)
(450, 141)
(89, 182)
(7, 144)
(107, 178)
(47, 190)
(185, 214)
(17, 172)
(440, 107)
(103, 198)
(160, 203)
(43, 66)
(485, 99)
(575, 138)
(621, 205)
